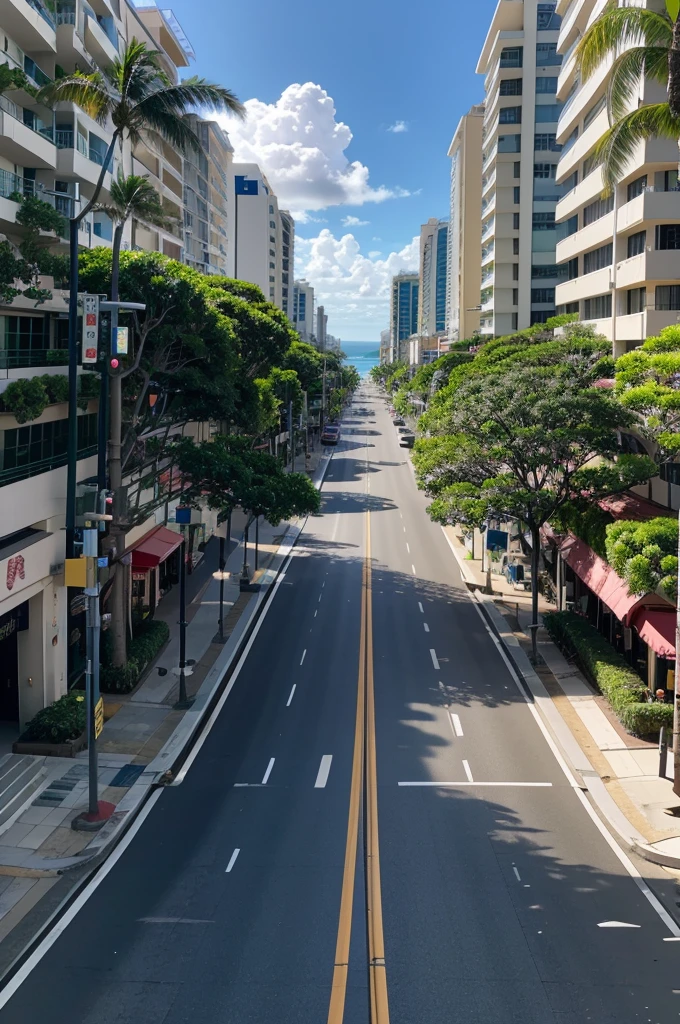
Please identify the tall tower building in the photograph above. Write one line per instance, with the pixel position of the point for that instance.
(403, 314)
(303, 310)
(465, 249)
(433, 277)
(520, 154)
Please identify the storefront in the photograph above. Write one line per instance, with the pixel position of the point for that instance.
(11, 624)
(155, 569)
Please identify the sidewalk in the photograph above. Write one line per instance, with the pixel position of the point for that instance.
(620, 771)
(143, 734)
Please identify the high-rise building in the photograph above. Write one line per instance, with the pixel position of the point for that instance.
(465, 248)
(403, 314)
(264, 236)
(206, 198)
(385, 349)
(520, 152)
(618, 256)
(321, 328)
(433, 277)
(303, 310)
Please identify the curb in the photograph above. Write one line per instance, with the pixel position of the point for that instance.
(666, 860)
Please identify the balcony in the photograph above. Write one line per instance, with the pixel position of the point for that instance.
(658, 266)
(23, 145)
(30, 24)
(97, 40)
(488, 229)
(576, 17)
(652, 204)
(83, 161)
(488, 182)
(72, 51)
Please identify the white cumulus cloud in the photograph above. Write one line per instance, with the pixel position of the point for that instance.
(354, 222)
(353, 288)
(398, 127)
(301, 147)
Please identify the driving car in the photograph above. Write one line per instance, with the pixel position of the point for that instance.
(330, 435)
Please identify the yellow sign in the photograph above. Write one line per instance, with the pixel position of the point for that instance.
(75, 574)
(98, 718)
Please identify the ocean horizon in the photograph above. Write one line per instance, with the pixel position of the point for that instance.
(363, 355)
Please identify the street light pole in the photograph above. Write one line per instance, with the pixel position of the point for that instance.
(72, 448)
(182, 622)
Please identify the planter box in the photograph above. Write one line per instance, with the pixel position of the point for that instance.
(42, 749)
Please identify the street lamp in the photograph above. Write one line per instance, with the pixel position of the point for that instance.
(182, 517)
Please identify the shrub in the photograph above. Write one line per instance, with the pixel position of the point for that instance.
(56, 386)
(59, 722)
(150, 636)
(57, 357)
(611, 673)
(119, 680)
(26, 399)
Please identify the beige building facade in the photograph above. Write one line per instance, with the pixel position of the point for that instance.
(464, 237)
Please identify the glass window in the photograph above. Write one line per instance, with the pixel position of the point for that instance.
(546, 19)
(511, 87)
(509, 143)
(515, 296)
(515, 222)
(543, 295)
(600, 208)
(272, 223)
(547, 55)
(512, 57)
(636, 300)
(570, 183)
(636, 188)
(515, 195)
(598, 308)
(668, 236)
(515, 271)
(543, 270)
(515, 321)
(541, 316)
(546, 84)
(543, 221)
(544, 170)
(589, 164)
(515, 247)
(667, 296)
(516, 169)
(671, 181)
(567, 227)
(546, 141)
(568, 271)
(598, 259)
(636, 243)
(510, 115)
(594, 111)
(548, 112)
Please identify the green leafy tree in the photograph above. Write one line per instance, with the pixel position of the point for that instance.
(645, 555)
(307, 363)
(648, 383)
(521, 444)
(641, 43)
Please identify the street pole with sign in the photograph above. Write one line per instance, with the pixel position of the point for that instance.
(183, 518)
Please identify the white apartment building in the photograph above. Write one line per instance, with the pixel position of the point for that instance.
(433, 277)
(520, 151)
(303, 310)
(619, 256)
(264, 236)
(321, 328)
(45, 152)
(207, 218)
(464, 279)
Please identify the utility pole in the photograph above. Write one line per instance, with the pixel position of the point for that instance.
(182, 517)
(291, 437)
(323, 395)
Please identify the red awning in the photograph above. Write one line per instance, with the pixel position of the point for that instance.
(601, 578)
(631, 506)
(657, 629)
(155, 548)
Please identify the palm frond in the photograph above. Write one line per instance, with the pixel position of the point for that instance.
(618, 28)
(153, 116)
(136, 70)
(617, 146)
(626, 73)
(90, 92)
(197, 92)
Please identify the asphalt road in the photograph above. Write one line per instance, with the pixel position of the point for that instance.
(494, 886)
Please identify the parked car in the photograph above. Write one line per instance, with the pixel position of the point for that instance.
(393, 411)
(399, 422)
(404, 430)
(330, 435)
(407, 440)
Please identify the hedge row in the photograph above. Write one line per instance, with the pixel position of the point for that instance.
(611, 673)
(59, 722)
(150, 636)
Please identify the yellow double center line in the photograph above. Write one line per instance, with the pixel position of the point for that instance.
(364, 779)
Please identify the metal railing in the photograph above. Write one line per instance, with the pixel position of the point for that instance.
(15, 358)
(66, 12)
(42, 11)
(29, 469)
(11, 183)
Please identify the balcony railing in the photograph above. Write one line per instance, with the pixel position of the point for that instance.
(66, 12)
(38, 6)
(14, 358)
(27, 118)
(11, 183)
(16, 473)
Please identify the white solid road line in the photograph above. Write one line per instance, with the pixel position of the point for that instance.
(452, 785)
(426, 627)
(433, 655)
(324, 769)
(408, 548)
(269, 771)
(468, 771)
(320, 596)
(420, 605)
(516, 873)
(290, 699)
(62, 924)
(303, 655)
(315, 612)
(413, 569)
(232, 861)
(457, 727)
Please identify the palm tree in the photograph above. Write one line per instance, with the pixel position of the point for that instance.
(136, 95)
(643, 44)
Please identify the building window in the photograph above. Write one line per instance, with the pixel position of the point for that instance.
(272, 239)
(545, 84)
(511, 87)
(667, 296)
(600, 208)
(515, 296)
(567, 227)
(543, 221)
(28, 451)
(272, 266)
(670, 181)
(598, 259)
(548, 112)
(272, 224)
(547, 55)
(669, 472)
(509, 143)
(590, 163)
(271, 278)
(545, 170)
(546, 19)
(271, 209)
(636, 243)
(546, 141)
(512, 57)
(541, 316)
(636, 188)
(510, 115)
(543, 270)
(515, 195)
(569, 270)
(598, 308)
(515, 247)
(543, 295)
(515, 321)
(570, 183)
(516, 169)
(668, 236)
(515, 222)
(594, 111)
(515, 271)
(636, 300)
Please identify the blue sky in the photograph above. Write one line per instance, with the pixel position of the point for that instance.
(380, 64)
